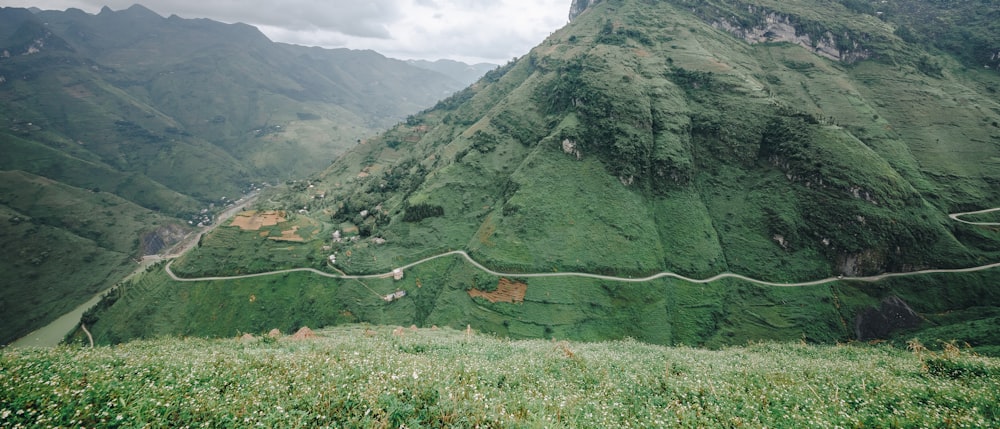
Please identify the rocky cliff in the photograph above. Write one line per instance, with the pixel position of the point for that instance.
(579, 6)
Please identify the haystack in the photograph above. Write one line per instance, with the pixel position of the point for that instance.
(304, 333)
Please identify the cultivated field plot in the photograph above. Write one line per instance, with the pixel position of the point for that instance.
(253, 220)
(299, 230)
(507, 291)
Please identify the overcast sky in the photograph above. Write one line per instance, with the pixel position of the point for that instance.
(465, 30)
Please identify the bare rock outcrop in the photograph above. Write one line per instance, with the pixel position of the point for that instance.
(579, 6)
(162, 238)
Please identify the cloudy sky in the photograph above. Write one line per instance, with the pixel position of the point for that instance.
(465, 30)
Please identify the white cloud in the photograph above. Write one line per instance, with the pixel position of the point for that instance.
(468, 30)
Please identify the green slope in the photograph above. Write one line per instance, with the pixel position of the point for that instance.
(680, 116)
(361, 376)
(63, 245)
(788, 141)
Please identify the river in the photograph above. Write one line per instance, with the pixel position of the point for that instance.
(52, 334)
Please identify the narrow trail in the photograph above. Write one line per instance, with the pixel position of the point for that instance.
(665, 274)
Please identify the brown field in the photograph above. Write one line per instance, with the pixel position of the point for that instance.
(253, 220)
(507, 291)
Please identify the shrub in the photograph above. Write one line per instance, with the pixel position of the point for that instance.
(419, 212)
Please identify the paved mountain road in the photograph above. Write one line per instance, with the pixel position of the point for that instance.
(463, 254)
(957, 217)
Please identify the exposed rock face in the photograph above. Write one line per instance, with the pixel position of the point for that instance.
(161, 238)
(864, 263)
(892, 314)
(579, 6)
(780, 28)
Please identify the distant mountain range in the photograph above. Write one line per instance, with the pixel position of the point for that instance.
(136, 116)
(457, 70)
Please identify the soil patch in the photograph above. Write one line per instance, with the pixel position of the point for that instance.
(254, 220)
(507, 291)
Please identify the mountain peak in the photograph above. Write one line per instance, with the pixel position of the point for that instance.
(138, 8)
(136, 11)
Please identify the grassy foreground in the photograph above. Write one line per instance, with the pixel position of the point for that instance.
(375, 377)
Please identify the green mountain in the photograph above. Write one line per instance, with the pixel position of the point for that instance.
(784, 141)
(360, 376)
(176, 118)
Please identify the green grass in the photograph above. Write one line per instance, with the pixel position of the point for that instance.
(368, 376)
(549, 227)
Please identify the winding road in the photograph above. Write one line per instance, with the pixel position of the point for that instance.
(666, 274)
(51, 335)
(957, 217)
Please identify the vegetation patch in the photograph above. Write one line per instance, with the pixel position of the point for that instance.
(289, 235)
(378, 376)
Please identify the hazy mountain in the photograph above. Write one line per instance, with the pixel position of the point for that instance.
(784, 141)
(174, 116)
(462, 72)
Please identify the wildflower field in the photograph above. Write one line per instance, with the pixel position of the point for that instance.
(356, 376)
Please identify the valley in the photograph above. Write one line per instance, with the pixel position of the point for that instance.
(122, 131)
(690, 213)
(55, 332)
